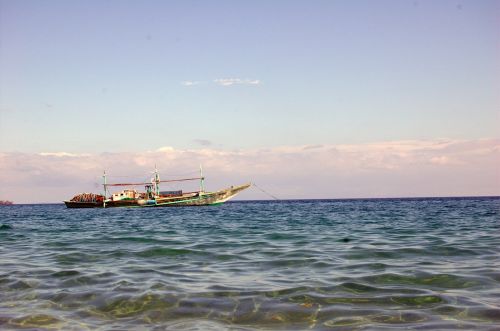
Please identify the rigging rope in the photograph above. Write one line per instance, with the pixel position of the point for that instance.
(272, 196)
(177, 175)
(134, 176)
(161, 181)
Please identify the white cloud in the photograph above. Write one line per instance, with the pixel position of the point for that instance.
(443, 160)
(62, 154)
(165, 149)
(234, 81)
(387, 169)
(190, 83)
(224, 82)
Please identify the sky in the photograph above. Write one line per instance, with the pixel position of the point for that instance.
(308, 99)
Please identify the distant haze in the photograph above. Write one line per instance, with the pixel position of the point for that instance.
(389, 169)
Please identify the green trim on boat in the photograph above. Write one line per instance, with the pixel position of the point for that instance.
(165, 203)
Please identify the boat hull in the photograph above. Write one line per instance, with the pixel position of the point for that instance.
(203, 199)
(79, 204)
(190, 199)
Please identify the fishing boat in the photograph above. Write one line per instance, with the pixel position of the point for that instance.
(152, 196)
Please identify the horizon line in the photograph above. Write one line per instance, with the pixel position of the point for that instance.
(314, 199)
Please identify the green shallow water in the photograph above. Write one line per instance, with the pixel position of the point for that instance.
(421, 264)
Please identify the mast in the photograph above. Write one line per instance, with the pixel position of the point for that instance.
(104, 185)
(202, 186)
(157, 182)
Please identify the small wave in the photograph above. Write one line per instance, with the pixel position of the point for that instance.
(203, 325)
(392, 301)
(439, 281)
(385, 318)
(452, 251)
(65, 273)
(484, 314)
(163, 251)
(283, 236)
(359, 253)
(76, 258)
(126, 306)
(71, 299)
(22, 285)
(145, 240)
(358, 288)
(418, 301)
(286, 292)
(4, 227)
(288, 263)
(371, 266)
(35, 321)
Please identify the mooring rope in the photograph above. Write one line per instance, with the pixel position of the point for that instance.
(262, 190)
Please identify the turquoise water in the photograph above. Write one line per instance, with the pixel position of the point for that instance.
(290, 265)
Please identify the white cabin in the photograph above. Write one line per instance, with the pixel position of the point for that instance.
(125, 194)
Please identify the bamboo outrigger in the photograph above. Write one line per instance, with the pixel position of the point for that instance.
(153, 197)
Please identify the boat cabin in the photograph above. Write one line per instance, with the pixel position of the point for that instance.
(125, 195)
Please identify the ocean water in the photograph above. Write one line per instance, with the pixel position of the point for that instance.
(421, 264)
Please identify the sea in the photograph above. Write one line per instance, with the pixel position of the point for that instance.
(369, 264)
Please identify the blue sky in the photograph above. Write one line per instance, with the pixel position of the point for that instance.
(308, 99)
(107, 76)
